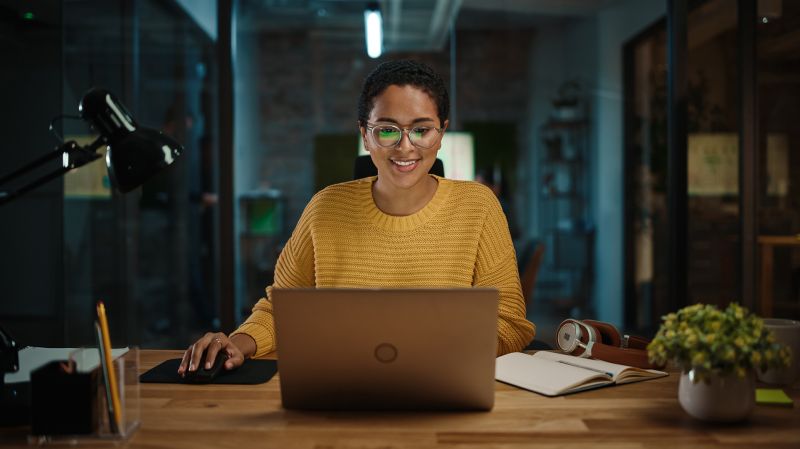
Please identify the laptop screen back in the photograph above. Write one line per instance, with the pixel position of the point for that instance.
(386, 349)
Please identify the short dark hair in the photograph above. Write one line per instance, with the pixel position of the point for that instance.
(403, 72)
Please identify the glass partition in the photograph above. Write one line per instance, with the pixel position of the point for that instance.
(150, 254)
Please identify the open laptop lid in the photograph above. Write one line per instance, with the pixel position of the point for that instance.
(386, 348)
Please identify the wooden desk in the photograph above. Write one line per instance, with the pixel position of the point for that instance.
(768, 242)
(645, 414)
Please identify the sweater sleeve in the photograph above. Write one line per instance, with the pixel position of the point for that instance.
(496, 266)
(295, 268)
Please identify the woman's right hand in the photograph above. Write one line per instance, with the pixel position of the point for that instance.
(214, 342)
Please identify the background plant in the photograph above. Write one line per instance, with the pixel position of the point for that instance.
(709, 341)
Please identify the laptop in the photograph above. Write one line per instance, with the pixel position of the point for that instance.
(386, 349)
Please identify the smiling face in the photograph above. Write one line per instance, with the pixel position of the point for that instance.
(405, 166)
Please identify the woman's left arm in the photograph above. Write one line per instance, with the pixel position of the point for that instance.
(496, 266)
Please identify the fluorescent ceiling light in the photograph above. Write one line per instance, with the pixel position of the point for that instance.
(373, 23)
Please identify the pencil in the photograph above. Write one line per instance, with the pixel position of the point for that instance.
(104, 365)
(112, 375)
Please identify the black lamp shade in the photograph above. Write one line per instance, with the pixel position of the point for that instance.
(138, 156)
(135, 153)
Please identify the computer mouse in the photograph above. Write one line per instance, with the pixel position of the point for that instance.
(202, 375)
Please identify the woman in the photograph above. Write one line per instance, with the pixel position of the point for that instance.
(402, 228)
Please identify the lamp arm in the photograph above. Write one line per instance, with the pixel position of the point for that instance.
(30, 166)
(73, 156)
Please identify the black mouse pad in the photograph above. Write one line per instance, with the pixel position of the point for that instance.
(251, 372)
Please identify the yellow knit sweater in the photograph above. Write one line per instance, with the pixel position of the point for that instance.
(459, 239)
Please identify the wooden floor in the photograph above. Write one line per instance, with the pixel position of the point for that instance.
(646, 414)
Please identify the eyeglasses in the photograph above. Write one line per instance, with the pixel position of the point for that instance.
(389, 136)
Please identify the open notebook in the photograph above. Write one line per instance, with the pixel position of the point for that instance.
(553, 374)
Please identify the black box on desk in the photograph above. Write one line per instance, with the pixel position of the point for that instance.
(62, 402)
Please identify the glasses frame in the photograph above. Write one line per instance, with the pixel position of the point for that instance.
(371, 126)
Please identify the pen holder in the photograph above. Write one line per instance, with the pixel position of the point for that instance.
(63, 402)
(69, 399)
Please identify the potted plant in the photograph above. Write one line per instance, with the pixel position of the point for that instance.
(717, 352)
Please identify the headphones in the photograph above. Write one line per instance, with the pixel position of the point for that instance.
(602, 341)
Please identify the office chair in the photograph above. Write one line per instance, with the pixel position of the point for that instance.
(530, 260)
(529, 263)
(364, 167)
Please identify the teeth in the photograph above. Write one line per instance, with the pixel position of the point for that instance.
(404, 163)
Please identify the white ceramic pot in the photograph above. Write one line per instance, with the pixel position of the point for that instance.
(725, 399)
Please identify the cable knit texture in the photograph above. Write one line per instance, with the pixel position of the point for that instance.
(459, 239)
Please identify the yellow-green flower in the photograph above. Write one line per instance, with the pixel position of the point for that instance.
(698, 358)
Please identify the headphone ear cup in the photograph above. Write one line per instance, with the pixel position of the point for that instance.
(609, 335)
(571, 334)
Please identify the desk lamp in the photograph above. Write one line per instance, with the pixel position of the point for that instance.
(134, 153)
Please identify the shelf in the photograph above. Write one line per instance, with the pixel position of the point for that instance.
(562, 196)
(571, 124)
(779, 240)
(246, 235)
(563, 161)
